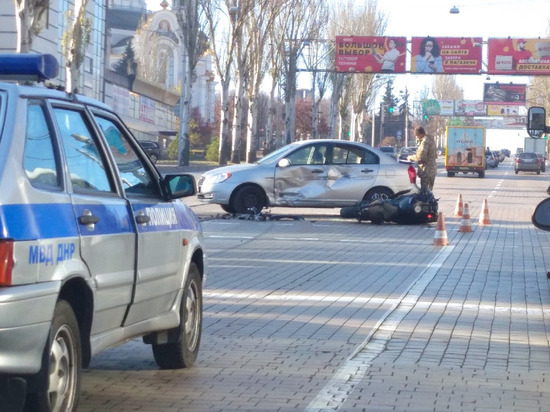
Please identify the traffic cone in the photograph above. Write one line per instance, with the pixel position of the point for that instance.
(465, 224)
(458, 208)
(484, 216)
(440, 238)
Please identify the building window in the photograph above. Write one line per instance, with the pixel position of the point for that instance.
(88, 64)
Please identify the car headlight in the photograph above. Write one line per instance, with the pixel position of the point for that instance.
(217, 178)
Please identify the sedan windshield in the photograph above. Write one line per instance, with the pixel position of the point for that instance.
(277, 153)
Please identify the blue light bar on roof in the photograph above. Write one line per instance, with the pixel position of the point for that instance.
(28, 67)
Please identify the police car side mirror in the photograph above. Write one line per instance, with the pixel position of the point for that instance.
(180, 185)
(536, 122)
(541, 215)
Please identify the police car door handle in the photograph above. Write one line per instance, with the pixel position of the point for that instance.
(87, 218)
(367, 170)
(317, 171)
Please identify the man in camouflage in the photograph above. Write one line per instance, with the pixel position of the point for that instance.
(426, 156)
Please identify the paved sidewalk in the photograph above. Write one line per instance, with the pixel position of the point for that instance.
(473, 333)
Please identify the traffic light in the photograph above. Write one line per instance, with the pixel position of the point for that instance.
(391, 109)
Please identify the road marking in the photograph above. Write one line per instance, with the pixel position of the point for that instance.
(364, 300)
(342, 384)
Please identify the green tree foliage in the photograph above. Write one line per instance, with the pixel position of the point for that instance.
(200, 135)
(213, 150)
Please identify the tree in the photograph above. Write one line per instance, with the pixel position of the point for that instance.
(538, 93)
(28, 22)
(195, 44)
(75, 40)
(303, 118)
(223, 46)
(358, 91)
(296, 23)
(258, 27)
(445, 87)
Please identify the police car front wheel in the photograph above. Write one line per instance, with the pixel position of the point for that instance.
(183, 352)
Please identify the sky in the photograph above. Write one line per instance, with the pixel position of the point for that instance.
(485, 18)
(477, 18)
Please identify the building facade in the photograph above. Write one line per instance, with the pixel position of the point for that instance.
(147, 96)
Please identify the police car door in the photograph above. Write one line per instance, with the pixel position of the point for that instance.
(107, 233)
(160, 249)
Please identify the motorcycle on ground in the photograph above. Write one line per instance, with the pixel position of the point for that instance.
(403, 207)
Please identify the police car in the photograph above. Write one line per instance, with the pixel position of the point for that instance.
(96, 246)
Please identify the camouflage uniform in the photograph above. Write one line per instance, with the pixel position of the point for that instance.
(426, 156)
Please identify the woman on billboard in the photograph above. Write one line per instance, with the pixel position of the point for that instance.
(429, 59)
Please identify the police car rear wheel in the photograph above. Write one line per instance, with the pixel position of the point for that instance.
(63, 365)
(183, 353)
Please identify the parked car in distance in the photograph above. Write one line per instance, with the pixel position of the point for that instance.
(506, 152)
(310, 173)
(390, 151)
(405, 152)
(152, 149)
(491, 160)
(527, 162)
(96, 246)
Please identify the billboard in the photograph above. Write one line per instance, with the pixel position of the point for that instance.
(470, 108)
(452, 55)
(504, 94)
(518, 56)
(502, 110)
(370, 54)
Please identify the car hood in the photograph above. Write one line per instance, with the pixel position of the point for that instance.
(232, 169)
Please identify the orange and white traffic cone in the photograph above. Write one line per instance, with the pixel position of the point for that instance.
(440, 238)
(465, 224)
(458, 208)
(484, 216)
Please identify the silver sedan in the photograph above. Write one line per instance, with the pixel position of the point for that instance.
(312, 173)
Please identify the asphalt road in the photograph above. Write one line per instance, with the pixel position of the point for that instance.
(325, 314)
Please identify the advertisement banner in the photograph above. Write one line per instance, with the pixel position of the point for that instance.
(370, 54)
(470, 108)
(509, 123)
(518, 56)
(453, 55)
(501, 110)
(504, 94)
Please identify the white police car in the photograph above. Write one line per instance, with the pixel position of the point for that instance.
(95, 246)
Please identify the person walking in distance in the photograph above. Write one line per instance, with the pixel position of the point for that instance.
(426, 156)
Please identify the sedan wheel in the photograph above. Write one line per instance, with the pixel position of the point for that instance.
(248, 197)
(377, 193)
(227, 208)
